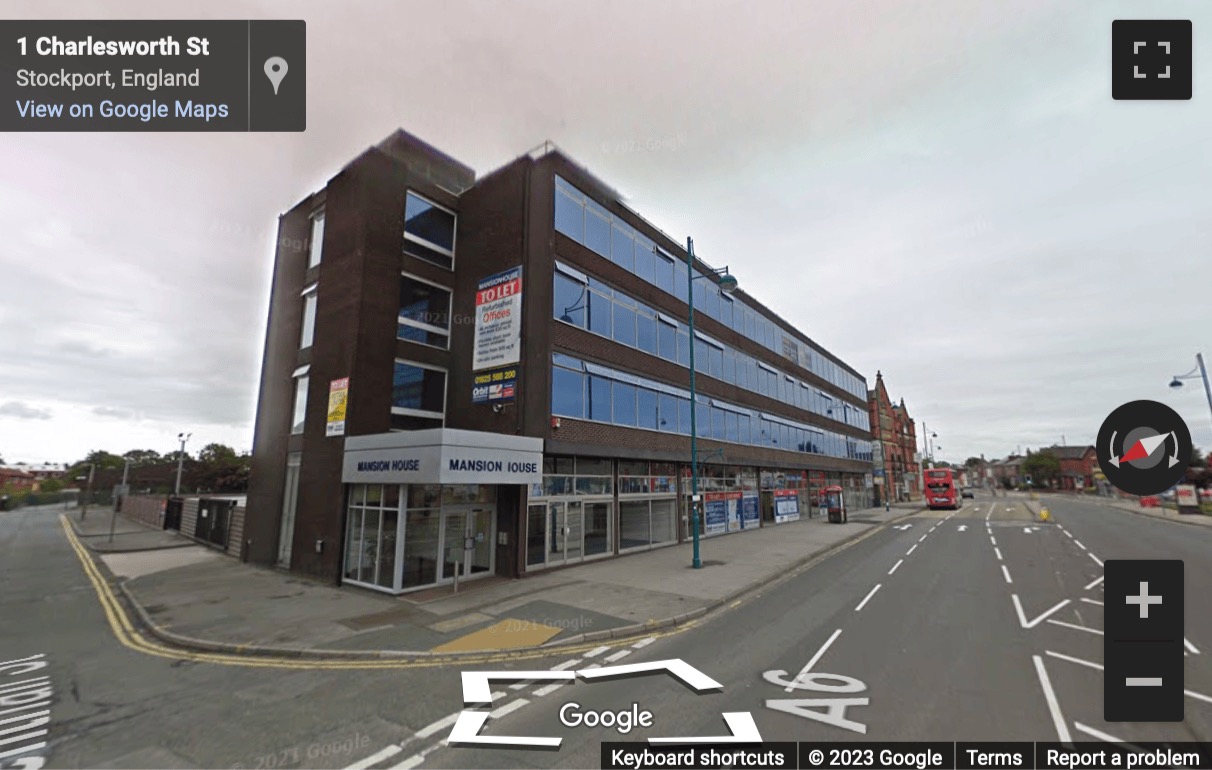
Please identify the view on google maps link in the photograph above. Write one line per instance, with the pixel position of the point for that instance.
(786, 384)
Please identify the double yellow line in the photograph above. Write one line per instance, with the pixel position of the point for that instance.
(131, 638)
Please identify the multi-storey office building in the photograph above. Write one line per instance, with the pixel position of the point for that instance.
(490, 376)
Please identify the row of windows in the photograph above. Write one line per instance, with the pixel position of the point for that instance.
(585, 221)
(586, 302)
(591, 392)
(429, 232)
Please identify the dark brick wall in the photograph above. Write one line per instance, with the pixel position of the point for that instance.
(271, 440)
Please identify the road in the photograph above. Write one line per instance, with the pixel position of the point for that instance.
(914, 633)
(980, 624)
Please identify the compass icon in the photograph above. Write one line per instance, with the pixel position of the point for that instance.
(1144, 447)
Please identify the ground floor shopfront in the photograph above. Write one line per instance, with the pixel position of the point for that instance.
(424, 510)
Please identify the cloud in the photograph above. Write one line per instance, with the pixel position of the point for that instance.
(944, 191)
(22, 411)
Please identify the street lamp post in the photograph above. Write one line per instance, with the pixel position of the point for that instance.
(182, 437)
(728, 285)
(88, 494)
(113, 518)
(1203, 374)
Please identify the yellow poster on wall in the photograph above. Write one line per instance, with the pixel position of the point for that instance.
(338, 398)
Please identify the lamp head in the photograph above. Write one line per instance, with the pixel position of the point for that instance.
(727, 283)
(1176, 383)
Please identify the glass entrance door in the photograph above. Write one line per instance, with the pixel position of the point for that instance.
(565, 532)
(464, 526)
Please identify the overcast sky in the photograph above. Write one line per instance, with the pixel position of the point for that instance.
(944, 191)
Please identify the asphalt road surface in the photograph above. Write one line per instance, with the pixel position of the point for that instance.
(980, 624)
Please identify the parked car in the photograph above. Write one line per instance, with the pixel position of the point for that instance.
(968, 492)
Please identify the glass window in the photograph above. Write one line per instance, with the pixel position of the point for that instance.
(719, 423)
(644, 265)
(646, 331)
(742, 371)
(684, 416)
(309, 319)
(600, 310)
(429, 231)
(732, 420)
(624, 324)
(599, 399)
(712, 306)
(597, 230)
(726, 310)
(716, 356)
(635, 528)
(568, 301)
(700, 294)
(729, 367)
(567, 393)
(622, 247)
(683, 348)
(594, 466)
(570, 215)
(744, 427)
(624, 404)
(663, 269)
(668, 414)
(421, 532)
(647, 409)
(679, 281)
(424, 312)
(300, 411)
(667, 341)
(418, 389)
(317, 240)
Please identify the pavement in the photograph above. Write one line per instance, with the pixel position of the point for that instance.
(978, 624)
(192, 596)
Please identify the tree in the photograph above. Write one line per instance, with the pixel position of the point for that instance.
(216, 454)
(1198, 458)
(51, 485)
(973, 462)
(101, 460)
(140, 457)
(1042, 467)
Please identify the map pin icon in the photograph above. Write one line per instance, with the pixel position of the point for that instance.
(275, 70)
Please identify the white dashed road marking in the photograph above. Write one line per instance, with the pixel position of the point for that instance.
(998, 551)
(1097, 733)
(1062, 729)
(868, 597)
(912, 548)
(617, 656)
(1096, 582)
(508, 708)
(894, 566)
(1092, 601)
(808, 666)
(1078, 661)
(375, 759)
(1075, 627)
(1006, 573)
(441, 724)
(596, 652)
(644, 642)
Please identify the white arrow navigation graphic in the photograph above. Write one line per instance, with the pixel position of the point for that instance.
(903, 527)
(467, 727)
(740, 724)
(963, 528)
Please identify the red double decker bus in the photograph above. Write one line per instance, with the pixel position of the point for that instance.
(941, 490)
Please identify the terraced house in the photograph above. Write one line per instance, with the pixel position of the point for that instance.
(490, 376)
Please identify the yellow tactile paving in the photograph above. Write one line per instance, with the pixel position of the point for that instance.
(508, 634)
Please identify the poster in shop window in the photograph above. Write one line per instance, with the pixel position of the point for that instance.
(498, 331)
(750, 514)
(786, 505)
(718, 510)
